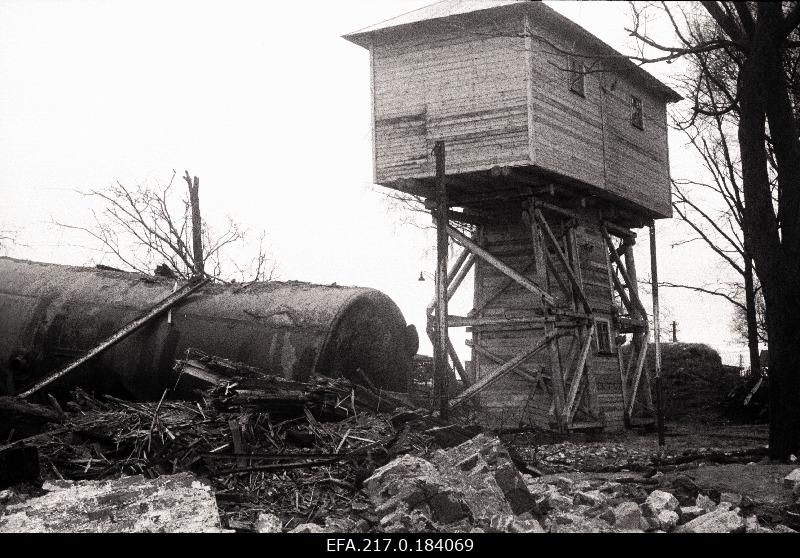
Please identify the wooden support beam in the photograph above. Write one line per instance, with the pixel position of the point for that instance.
(540, 257)
(501, 371)
(632, 325)
(499, 265)
(464, 200)
(626, 302)
(462, 217)
(457, 364)
(623, 376)
(457, 266)
(556, 209)
(18, 405)
(540, 254)
(591, 386)
(616, 230)
(522, 371)
(500, 290)
(130, 328)
(456, 281)
(466, 321)
(634, 294)
(577, 287)
(586, 425)
(636, 378)
(630, 268)
(557, 377)
(574, 255)
(656, 335)
(551, 265)
(442, 226)
(571, 406)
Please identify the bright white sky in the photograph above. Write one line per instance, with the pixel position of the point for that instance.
(270, 108)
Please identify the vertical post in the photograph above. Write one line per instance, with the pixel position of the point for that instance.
(542, 278)
(197, 224)
(440, 347)
(656, 335)
(674, 331)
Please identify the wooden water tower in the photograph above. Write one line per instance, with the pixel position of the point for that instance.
(549, 147)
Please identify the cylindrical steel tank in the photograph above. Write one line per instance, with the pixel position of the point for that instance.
(51, 314)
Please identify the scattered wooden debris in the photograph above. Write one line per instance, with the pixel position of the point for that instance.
(297, 450)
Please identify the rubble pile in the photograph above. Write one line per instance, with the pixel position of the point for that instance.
(563, 457)
(261, 453)
(600, 505)
(168, 504)
(472, 487)
(274, 451)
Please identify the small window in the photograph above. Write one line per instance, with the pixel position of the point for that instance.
(636, 113)
(577, 76)
(603, 336)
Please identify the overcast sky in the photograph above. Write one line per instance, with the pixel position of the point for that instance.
(270, 108)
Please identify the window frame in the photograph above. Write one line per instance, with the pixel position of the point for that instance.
(600, 349)
(637, 112)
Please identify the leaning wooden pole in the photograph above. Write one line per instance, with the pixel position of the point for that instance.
(440, 347)
(656, 335)
(133, 326)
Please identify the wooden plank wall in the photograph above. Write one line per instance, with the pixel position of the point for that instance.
(499, 99)
(591, 138)
(508, 402)
(463, 84)
(637, 162)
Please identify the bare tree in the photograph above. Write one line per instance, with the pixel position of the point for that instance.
(150, 229)
(746, 54)
(713, 210)
(740, 324)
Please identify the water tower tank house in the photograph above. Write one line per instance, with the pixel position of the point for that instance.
(538, 148)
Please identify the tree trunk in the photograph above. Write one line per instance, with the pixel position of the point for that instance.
(197, 224)
(752, 323)
(783, 326)
(762, 94)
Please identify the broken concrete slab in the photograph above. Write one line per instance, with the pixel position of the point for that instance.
(753, 526)
(627, 516)
(705, 503)
(308, 528)
(168, 504)
(268, 523)
(470, 456)
(589, 497)
(792, 479)
(659, 501)
(388, 480)
(525, 524)
(733, 497)
(571, 522)
(721, 521)
(691, 512)
(667, 520)
(475, 481)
